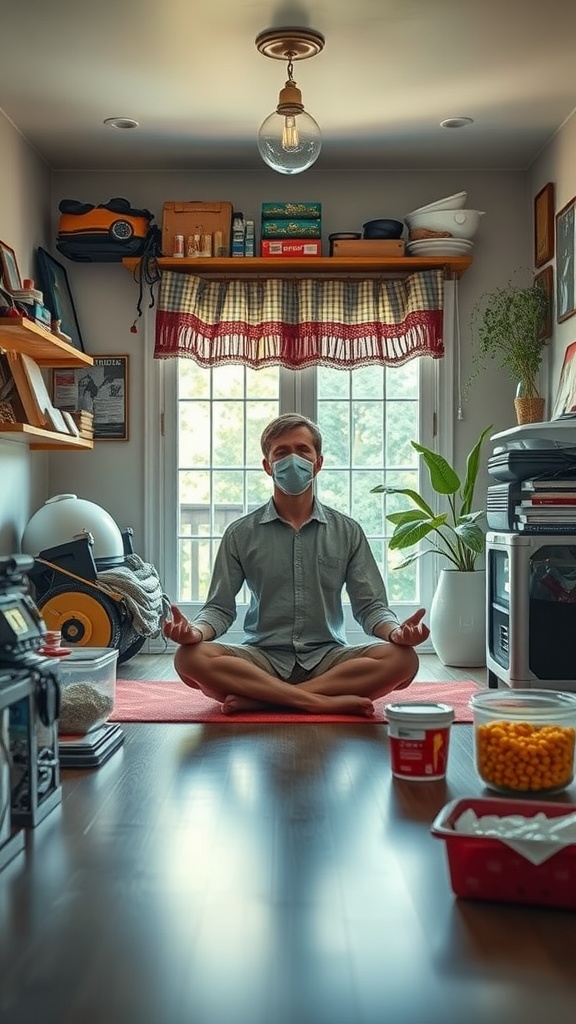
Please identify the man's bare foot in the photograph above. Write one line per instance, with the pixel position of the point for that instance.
(232, 704)
(319, 705)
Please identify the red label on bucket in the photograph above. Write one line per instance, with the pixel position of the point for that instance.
(418, 752)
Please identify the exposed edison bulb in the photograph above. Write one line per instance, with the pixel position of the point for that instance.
(289, 143)
(290, 137)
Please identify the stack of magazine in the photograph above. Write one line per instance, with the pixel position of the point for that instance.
(547, 506)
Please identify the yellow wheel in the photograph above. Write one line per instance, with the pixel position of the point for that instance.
(85, 617)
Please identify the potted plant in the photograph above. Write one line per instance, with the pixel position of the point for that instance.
(511, 326)
(457, 613)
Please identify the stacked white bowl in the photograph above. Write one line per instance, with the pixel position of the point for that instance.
(443, 228)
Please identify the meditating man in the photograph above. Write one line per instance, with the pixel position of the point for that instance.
(296, 555)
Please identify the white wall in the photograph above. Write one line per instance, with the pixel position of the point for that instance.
(558, 165)
(24, 225)
(106, 296)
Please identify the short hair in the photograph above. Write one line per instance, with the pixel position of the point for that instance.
(282, 424)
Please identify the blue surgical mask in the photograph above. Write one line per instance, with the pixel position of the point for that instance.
(293, 474)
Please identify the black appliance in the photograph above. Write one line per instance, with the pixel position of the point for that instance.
(29, 708)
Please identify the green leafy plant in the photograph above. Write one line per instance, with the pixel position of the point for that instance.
(510, 326)
(454, 533)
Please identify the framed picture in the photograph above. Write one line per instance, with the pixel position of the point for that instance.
(565, 401)
(53, 281)
(101, 389)
(9, 268)
(544, 225)
(546, 280)
(565, 272)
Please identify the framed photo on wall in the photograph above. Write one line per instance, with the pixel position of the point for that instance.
(9, 272)
(53, 281)
(101, 389)
(565, 401)
(565, 269)
(544, 225)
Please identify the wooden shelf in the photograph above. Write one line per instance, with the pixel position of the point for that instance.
(39, 439)
(244, 266)
(21, 335)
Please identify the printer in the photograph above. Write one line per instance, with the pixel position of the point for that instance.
(532, 450)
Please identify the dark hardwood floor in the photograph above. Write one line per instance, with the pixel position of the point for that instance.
(213, 874)
(265, 874)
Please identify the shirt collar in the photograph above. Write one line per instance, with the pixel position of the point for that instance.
(269, 513)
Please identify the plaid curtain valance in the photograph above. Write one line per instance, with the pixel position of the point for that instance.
(297, 322)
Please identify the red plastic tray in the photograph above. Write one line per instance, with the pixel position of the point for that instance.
(484, 868)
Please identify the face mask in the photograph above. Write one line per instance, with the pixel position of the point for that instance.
(293, 474)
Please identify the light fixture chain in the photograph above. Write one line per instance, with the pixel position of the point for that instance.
(290, 69)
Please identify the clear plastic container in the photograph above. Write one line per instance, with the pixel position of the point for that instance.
(88, 688)
(524, 740)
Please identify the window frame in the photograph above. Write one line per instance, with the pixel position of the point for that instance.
(297, 391)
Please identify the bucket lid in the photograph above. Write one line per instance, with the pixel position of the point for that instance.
(536, 704)
(420, 712)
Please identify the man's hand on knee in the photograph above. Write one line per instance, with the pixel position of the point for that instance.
(178, 628)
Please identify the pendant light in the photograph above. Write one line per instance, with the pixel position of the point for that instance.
(289, 140)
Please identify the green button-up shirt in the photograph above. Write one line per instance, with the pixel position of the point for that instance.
(295, 579)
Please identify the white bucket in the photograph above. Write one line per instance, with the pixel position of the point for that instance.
(419, 733)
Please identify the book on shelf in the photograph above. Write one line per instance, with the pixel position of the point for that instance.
(35, 413)
(559, 528)
(549, 484)
(564, 518)
(72, 428)
(11, 406)
(82, 417)
(54, 417)
(34, 394)
(550, 498)
(551, 511)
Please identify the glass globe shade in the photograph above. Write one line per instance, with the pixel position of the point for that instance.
(289, 143)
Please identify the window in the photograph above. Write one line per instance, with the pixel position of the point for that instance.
(367, 417)
(204, 469)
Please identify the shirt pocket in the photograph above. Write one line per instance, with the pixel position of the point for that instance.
(332, 572)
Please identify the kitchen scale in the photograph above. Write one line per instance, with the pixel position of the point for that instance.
(91, 749)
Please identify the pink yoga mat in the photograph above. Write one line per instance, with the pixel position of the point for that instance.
(143, 701)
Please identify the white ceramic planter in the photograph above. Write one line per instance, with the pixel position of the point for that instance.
(458, 618)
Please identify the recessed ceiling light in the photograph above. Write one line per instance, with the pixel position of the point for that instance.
(456, 122)
(121, 122)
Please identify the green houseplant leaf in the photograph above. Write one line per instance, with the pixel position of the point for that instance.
(455, 533)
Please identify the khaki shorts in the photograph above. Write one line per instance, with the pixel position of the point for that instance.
(298, 674)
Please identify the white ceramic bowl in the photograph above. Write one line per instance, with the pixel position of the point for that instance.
(460, 223)
(455, 202)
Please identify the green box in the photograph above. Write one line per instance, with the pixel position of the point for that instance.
(291, 229)
(291, 211)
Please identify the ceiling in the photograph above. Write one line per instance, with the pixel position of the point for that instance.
(188, 71)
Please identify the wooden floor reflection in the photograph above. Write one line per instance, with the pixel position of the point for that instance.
(264, 875)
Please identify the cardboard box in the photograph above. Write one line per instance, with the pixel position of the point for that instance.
(180, 218)
(368, 247)
(290, 247)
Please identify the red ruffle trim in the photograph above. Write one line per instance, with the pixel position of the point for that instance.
(183, 335)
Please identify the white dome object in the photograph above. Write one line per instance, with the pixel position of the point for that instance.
(455, 202)
(460, 223)
(65, 517)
